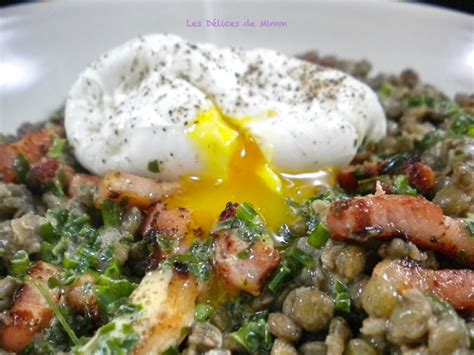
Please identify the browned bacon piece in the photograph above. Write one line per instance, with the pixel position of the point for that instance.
(135, 190)
(244, 273)
(33, 146)
(176, 224)
(30, 313)
(384, 217)
(454, 286)
(241, 265)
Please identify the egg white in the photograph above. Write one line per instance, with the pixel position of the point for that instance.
(140, 101)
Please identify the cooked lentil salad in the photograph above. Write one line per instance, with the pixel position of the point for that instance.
(381, 263)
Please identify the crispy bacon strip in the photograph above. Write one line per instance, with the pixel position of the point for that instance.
(384, 217)
(30, 313)
(454, 286)
(33, 146)
(137, 191)
(239, 271)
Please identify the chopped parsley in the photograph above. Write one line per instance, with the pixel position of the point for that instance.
(154, 166)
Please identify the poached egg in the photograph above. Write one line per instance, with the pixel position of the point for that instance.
(231, 124)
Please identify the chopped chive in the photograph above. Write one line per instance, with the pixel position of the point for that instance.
(109, 327)
(282, 276)
(319, 237)
(203, 312)
(110, 213)
(247, 213)
(255, 335)
(300, 257)
(252, 226)
(342, 298)
(154, 166)
(57, 148)
(69, 262)
(57, 312)
(114, 270)
(19, 263)
(402, 186)
(21, 166)
(59, 183)
(48, 232)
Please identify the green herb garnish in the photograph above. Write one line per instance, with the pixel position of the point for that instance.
(255, 335)
(429, 141)
(197, 260)
(342, 297)
(462, 125)
(204, 312)
(57, 312)
(385, 90)
(111, 213)
(57, 148)
(154, 166)
(319, 237)
(19, 263)
(299, 257)
(21, 166)
(282, 276)
(402, 186)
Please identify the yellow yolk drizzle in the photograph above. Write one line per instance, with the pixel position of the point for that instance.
(238, 172)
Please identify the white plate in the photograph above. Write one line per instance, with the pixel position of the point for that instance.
(44, 46)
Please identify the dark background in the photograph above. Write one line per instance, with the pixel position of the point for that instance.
(466, 6)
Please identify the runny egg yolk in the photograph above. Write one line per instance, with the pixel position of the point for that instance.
(237, 171)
